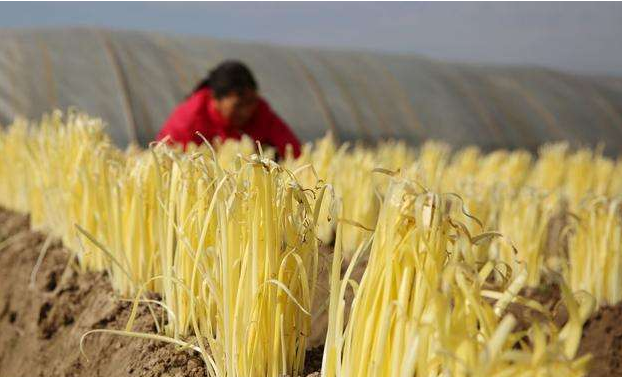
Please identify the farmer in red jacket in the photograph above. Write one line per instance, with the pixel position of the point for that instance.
(226, 105)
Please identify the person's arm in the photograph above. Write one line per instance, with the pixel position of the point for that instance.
(281, 135)
(176, 134)
(184, 122)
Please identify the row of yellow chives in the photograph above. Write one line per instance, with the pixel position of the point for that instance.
(422, 308)
(233, 252)
(73, 168)
(530, 200)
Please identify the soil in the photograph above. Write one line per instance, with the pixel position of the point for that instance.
(320, 304)
(549, 296)
(41, 325)
(602, 337)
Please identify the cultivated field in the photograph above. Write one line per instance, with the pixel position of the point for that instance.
(399, 261)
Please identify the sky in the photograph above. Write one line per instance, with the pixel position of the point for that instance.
(579, 36)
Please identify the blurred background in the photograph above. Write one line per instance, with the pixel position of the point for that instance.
(493, 74)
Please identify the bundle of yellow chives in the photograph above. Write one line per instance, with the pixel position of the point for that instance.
(233, 252)
(594, 261)
(423, 309)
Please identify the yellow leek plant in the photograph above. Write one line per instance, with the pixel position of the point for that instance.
(232, 249)
(594, 261)
(422, 309)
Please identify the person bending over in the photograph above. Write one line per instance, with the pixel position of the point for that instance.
(226, 105)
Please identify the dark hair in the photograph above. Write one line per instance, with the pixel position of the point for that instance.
(228, 76)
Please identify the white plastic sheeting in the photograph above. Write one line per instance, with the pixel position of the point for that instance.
(133, 80)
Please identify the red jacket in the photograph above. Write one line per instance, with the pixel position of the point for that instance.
(196, 114)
